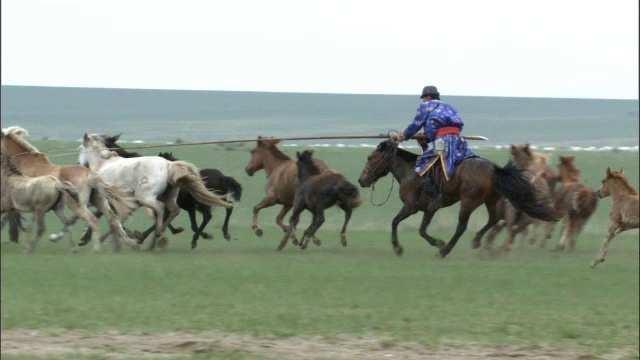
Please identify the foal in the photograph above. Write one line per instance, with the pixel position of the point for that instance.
(319, 190)
(624, 211)
(36, 195)
(574, 201)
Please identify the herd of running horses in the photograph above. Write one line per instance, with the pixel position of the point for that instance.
(524, 194)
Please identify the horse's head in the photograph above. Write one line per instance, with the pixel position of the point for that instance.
(567, 171)
(522, 155)
(607, 182)
(265, 149)
(306, 167)
(91, 146)
(378, 163)
(12, 142)
(167, 155)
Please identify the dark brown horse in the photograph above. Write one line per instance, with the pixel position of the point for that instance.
(320, 190)
(624, 214)
(475, 181)
(282, 180)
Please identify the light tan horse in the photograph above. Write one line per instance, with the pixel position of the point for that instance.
(282, 180)
(624, 211)
(36, 195)
(92, 188)
(574, 201)
(154, 181)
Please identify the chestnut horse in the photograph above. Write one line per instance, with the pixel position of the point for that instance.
(36, 195)
(574, 202)
(624, 210)
(475, 181)
(91, 186)
(320, 190)
(282, 180)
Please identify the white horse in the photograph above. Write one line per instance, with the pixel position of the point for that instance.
(153, 181)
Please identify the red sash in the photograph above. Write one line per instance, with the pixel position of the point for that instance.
(448, 130)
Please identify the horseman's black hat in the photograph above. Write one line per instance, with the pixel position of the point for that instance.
(429, 90)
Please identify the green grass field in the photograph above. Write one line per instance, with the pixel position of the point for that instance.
(533, 297)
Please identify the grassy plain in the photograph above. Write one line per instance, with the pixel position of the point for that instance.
(534, 297)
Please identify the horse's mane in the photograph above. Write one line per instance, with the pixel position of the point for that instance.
(405, 155)
(15, 133)
(270, 144)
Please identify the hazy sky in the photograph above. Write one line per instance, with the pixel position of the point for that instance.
(543, 48)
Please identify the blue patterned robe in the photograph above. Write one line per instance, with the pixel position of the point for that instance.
(433, 115)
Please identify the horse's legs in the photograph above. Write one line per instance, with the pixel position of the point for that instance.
(173, 209)
(59, 210)
(36, 229)
(80, 209)
(293, 222)
(206, 217)
(426, 220)
(88, 232)
(268, 201)
(115, 224)
(225, 226)
(317, 221)
(343, 233)
(463, 220)
(279, 220)
(566, 228)
(613, 231)
(406, 211)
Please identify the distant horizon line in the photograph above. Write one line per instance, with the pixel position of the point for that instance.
(308, 93)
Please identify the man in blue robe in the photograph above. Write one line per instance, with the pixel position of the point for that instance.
(441, 125)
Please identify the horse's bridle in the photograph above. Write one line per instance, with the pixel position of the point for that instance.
(368, 169)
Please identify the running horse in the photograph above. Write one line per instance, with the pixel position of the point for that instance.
(153, 181)
(476, 181)
(91, 187)
(282, 180)
(320, 190)
(36, 195)
(624, 213)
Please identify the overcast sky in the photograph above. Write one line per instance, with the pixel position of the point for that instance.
(543, 48)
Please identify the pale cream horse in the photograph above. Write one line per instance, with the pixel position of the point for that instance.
(37, 196)
(624, 214)
(153, 180)
(112, 201)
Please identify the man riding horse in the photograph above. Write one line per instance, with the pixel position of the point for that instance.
(441, 125)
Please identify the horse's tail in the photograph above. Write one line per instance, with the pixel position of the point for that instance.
(118, 199)
(584, 202)
(512, 183)
(348, 194)
(67, 187)
(186, 176)
(233, 187)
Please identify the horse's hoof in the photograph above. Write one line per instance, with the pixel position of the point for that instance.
(474, 245)
(441, 254)
(259, 232)
(295, 242)
(54, 237)
(193, 245)
(278, 248)
(440, 244)
(227, 236)
(75, 250)
(162, 243)
(178, 230)
(318, 242)
(83, 243)
(398, 250)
